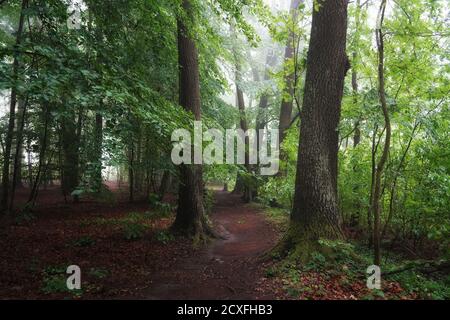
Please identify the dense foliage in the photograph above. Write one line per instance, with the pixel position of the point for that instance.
(94, 89)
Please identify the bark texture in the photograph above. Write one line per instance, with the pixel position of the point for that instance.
(12, 112)
(315, 212)
(70, 148)
(98, 148)
(190, 219)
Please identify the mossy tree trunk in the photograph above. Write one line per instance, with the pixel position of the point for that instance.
(315, 212)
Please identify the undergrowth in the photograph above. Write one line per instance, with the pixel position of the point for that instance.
(343, 270)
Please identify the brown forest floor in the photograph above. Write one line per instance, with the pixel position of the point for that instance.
(35, 253)
(229, 268)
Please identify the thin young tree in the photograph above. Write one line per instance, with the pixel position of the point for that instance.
(290, 78)
(376, 205)
(12, 110)
(357, 129)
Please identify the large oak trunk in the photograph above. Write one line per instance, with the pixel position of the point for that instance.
(190, 218)
(315, 213)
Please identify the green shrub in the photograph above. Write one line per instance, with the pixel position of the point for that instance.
(55, 284)
(134, 231)
(277, 191)
(424, 287)
(55, 281)
(164, 236)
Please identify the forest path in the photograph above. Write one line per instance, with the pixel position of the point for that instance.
(229, 268)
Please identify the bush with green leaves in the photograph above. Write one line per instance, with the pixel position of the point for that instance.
(164, 236)
(55, 281)
(133, 230)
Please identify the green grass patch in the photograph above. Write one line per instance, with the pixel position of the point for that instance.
(54, 280)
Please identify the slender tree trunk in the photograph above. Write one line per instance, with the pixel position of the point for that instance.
(138, 165)
(131, 172)
(17, 168)
(399, 169)
(376, 205)
(315, 212)
(70, 148)
(290, 78)
(98, 148)
(357, 132)
(261, 117)
(190, 218)
(264, 99)
(247, 188)
(18, 158)
(42, 156)
(242, 184)
(372, 183)
(29, 164)
(12, 111)
(355, 217)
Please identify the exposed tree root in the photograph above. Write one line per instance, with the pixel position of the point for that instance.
(201, 232)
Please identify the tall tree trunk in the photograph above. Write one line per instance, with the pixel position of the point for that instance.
(190, 218)
(131, 172)
(98, 147)
(138, 165)
(357, 133)
(290, 78)
(247, 188)
(18, 158)
(242, 184)
(355, 217)
(12, 111)
(29, 164)
(42, 156)
(315, 212)
(17, 168)
(70, 148)
(261, 119)
(376, 205)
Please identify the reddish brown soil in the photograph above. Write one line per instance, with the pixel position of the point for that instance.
(146, 268)
(231, 268)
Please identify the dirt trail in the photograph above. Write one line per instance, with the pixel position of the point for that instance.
(226, 269)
